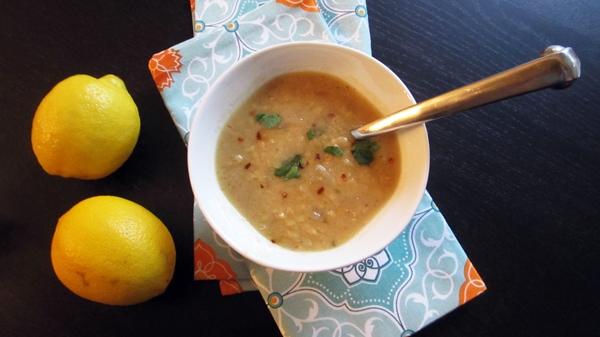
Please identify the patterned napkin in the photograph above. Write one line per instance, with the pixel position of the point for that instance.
(421, 276)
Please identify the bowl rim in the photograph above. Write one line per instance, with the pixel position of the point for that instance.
(420, 130)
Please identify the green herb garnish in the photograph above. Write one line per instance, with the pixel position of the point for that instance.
(363, 151)
(333, 150)
(314, 133)
(290, 168)
(268, 120)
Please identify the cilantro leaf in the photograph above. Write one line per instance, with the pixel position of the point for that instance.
(268, 120)
(333, 150)
(363, 151)
(314, 133)
(289, 169)
(292, 173)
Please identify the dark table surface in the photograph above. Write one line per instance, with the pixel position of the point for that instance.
(517, 180)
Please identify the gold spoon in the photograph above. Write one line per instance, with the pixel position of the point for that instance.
(557, 67)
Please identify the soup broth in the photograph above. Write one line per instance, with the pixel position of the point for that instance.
(285, 161)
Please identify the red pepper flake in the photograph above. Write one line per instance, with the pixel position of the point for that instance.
(258, 136)
(262, 186)
(273, 240)
(240, 139)
(344, 176)
(318, 157)
(390, 160)
(320, 190)
(248, 166)
(331, 114)
(283, 194)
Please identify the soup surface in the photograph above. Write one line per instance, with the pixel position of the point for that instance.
(288, 163)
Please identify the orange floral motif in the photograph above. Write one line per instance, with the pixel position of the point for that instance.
(473, 285)
(307, 5)
(230, 287)
(162, 65)
(208, 266)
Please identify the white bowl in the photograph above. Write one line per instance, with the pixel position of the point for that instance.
(380, 85)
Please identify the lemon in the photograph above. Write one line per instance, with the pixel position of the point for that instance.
(114, 251)
(85, 127)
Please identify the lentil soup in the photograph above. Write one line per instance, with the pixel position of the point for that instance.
(285, 161)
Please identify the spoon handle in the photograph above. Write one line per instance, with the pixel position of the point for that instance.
(557, 67)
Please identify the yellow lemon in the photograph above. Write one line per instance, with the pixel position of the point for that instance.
(85, 127)
(111, 250)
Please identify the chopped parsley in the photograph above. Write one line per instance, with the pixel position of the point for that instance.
(268, 120)
(363, 151)
(333, 150)
(290, 168)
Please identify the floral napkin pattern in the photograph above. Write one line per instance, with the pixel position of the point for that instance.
(421, 276)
